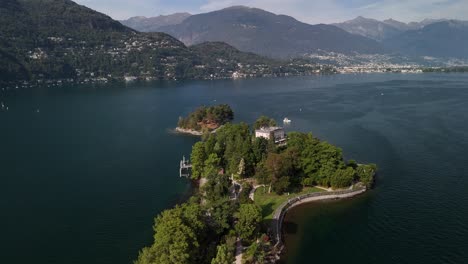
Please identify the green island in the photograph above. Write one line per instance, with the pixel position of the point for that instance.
(205, 119)
(246, 181)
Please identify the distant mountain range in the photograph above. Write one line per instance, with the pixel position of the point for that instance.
(280, 36)
(383, 30)
(59, 39)
(262, 32)
(154, 24)
(441, 39)
(372, 28)
(430, 37)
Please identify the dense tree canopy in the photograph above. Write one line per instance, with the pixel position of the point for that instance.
(178, 233)
(249, 218)
(207, 118)
(264, 121)
(204, 229)
(224, 255)
(305, 161)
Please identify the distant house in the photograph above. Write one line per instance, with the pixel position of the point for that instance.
(276, 133)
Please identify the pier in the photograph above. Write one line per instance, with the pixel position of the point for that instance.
(185, 167)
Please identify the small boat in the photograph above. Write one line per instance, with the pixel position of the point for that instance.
(286, 121)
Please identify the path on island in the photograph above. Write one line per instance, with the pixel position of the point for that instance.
(239, 251)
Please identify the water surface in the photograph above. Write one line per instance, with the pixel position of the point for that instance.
(85, 169)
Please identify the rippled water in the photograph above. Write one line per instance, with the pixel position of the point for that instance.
(83, 177)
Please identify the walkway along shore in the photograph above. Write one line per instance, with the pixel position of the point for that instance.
(281, 211)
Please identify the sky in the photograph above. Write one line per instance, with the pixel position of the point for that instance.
(309, 11)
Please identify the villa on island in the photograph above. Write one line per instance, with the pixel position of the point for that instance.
(276, 133)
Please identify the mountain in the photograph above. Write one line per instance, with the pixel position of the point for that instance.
(371, 28)
(447, 39)
(43, 40)
(262, 32)
(401, 26)
(425, 22)
(412, 25)
(153, 24)
(439, 38)
(382, 30)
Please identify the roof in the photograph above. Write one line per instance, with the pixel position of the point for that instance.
(268, 129)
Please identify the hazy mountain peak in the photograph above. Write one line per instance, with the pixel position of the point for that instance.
(259, 31)
(238, 7)
(370, 28)
(153, 24)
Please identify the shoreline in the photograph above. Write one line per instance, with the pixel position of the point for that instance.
(281, 211)
(188, 131)
(192, 132)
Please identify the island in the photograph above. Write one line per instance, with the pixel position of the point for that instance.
(247, 180)
(205, 119)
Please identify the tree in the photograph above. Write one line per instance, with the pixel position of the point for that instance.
(245, 193)
(198, 159)
(177, 237)
(206, 117)
(342, 178)
(255, 254)
(211, 165)
(217, 187)
(225, 255)
(264, 121)
(262, 174)
(249, 218)
(281, 185)
(352, 163)
(221, 212)
(259, 149)
(365, 173)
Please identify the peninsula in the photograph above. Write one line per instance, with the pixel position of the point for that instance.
(248, 179)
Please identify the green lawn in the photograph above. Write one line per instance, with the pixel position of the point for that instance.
(270, 201)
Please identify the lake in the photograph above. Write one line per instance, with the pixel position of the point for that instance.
(84, 169)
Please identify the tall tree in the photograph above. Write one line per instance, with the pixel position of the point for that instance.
(211, 166)
(264, 121)
(177, 237)
(225, 255)
(221, 212)
(198, 158)
(248, 220)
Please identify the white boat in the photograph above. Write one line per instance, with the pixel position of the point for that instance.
(286, 121)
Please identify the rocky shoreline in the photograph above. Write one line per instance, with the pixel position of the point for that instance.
(188, 131)
(193, 132)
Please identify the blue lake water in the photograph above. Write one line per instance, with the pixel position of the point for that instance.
(84, 170)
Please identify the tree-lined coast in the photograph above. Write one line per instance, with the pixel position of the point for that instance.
(221, 218)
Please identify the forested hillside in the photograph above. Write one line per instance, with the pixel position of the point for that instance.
(59, 39)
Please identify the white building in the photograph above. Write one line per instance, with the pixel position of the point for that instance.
(276, 133)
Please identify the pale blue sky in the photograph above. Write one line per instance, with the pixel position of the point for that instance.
(310, 11)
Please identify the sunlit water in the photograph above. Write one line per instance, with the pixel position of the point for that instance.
(85, 169)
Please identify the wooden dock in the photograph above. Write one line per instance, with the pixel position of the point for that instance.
(185, 168)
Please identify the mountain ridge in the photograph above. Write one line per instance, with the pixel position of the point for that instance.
(152, 24)
(44, 40)
(262, 32)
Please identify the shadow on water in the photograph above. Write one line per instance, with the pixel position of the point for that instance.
(290, 228)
